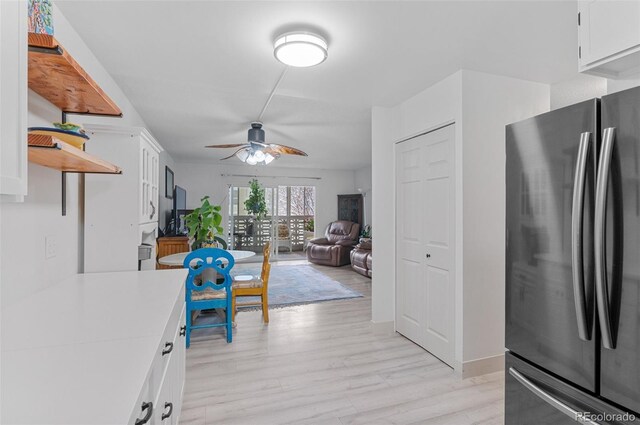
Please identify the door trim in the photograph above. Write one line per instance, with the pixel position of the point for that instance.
(427, 131)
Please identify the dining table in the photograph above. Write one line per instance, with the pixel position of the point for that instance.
(178, 259)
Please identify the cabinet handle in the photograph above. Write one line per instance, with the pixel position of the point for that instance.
(153, 210)
(168, 347)
(168, 414)
(183, 330)
(428, 255)
(148, 406)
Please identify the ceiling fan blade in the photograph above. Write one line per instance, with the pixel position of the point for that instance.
(284, 150)
(233, 154)
(234, 145)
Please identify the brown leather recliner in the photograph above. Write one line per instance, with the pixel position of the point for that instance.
(333, 250)
(361, 257)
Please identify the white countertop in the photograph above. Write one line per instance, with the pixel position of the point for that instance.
(79, 352)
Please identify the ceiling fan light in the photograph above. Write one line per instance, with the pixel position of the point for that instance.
(300, 49)
(268, 158)
(242, 155)
(251, 160)
(259, 155)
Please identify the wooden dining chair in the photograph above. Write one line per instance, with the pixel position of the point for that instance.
(254, 286)
(202, 292)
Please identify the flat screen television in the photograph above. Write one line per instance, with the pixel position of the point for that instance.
(179, 210)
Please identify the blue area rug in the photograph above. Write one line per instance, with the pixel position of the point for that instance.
(296, 285)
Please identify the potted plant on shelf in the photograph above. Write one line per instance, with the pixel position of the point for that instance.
(256, 205)
(204, 225)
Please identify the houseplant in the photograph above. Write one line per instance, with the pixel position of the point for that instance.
(204, 224)
(256, 205)
(309, 225)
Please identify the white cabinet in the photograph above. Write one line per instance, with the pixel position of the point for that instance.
(149, 170)
(13, 98)
(111, 344)
(121, 212)
(164, 387)
(609, 37)
(171, 390)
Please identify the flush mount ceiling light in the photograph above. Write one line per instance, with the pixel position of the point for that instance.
(300, 49)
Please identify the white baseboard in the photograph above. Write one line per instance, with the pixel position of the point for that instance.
(383, 328)
(480, 366)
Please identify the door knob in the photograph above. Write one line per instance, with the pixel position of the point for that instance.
(428, 255)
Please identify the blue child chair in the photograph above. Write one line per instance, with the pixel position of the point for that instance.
(204, 293)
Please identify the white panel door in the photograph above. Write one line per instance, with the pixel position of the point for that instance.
(411, 286)
(425, 236)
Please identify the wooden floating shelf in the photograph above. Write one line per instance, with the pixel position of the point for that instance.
(56, 76)
(53, 153)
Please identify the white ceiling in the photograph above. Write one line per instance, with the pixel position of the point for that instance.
(199, 72)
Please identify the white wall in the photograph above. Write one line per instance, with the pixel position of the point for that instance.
(584, 87)
(363, 181)
(480, 105)
(25, 225)
(206, 179)
(490, 102)
(577, 89)
(438, 104)
(623, 83)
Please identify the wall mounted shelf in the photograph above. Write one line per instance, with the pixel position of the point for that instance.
(53, 153)
(56, 76)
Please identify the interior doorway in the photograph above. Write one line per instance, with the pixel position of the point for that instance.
(288, 225)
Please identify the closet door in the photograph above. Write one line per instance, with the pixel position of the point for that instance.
(425, 214)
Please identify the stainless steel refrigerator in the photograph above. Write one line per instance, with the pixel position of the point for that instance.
(573, 264)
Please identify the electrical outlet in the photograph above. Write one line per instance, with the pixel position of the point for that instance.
(50, 246)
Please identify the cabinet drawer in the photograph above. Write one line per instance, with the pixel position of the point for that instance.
(142, 410)
(165, 414)
(169, 399)
(168, 344)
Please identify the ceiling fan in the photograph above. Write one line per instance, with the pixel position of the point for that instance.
(256, 150)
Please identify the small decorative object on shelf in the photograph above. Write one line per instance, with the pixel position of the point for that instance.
(204, 224)
(40, 20)
(69, 126)
(72, 137)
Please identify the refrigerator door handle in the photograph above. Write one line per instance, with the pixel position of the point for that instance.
(551, 400)
(577, 266)
(599, 238)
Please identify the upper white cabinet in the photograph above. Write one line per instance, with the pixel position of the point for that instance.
(121, 212)
(149, 164)
(13, 98)
(609, 37)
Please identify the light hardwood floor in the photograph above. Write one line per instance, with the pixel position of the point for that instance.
(323, 364)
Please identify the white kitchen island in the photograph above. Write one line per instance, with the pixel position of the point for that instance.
(94, 349)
